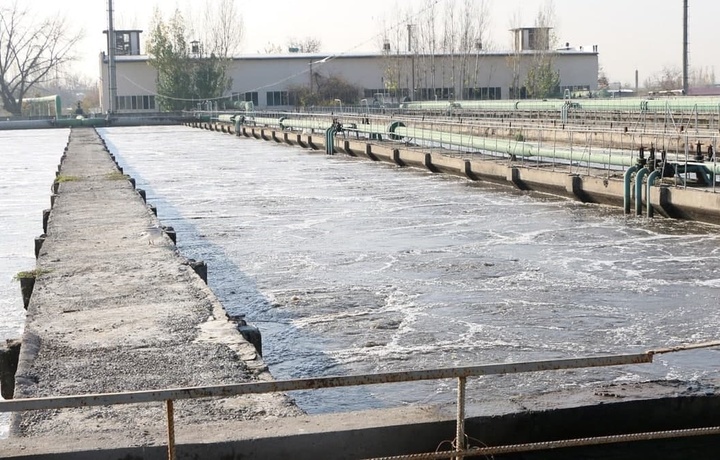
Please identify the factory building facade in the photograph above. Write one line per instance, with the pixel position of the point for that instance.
(384, 77)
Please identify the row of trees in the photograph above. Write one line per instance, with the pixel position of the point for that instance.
(459, 30)
(32, 52)
(671, 78)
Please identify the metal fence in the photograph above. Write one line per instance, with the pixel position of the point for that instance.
(461, 374)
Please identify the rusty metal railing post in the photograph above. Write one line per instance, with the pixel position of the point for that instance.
(171, 429)
(460, 429)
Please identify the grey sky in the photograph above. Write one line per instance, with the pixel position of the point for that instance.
(631, 34)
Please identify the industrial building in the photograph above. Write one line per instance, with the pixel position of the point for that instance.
(382, 77)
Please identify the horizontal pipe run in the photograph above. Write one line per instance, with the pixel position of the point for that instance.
(315, 383)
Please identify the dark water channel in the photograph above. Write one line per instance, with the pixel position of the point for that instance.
(357, 267)
(349, 266)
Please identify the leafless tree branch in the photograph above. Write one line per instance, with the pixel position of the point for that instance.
(29, 51)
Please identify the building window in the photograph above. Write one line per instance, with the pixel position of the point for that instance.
(277, 98)
(135, 102)
(483, 94)
(518, 93)
(252, 97)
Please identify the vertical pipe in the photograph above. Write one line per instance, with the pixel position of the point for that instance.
(638, 190)
(171, 429)
(460, 431)
(626, 194)
(651, 179)
(112, 45)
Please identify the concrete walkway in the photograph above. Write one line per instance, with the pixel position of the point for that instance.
(116, 308)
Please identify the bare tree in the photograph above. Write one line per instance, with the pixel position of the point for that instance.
(217, 26)
(272, 48)
(305, 45)
(474, 19)
(543, 80)
(437, 49)
(702, 76)
(30, 49)
(668, 79)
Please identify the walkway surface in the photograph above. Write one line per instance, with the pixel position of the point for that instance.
(117, 308)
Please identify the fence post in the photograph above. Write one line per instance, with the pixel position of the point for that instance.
(460, 432)
(171, 429)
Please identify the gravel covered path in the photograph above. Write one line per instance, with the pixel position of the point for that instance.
(116, 308)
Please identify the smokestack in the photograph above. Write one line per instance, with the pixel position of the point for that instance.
(686, 64)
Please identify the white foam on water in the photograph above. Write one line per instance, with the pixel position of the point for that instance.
(360, 266)
(27, 161)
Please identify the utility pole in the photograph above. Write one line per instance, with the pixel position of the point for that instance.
(686, 63)
(412, 61)
(112, 45)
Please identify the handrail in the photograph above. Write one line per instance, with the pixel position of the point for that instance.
(460, 373)
(132, 397)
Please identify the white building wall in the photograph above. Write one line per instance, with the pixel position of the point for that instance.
(267, 73)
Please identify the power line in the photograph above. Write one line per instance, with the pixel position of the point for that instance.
(326, 59)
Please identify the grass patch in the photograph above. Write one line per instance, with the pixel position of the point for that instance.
(62, 178)
(117, 175)
(519, 137)
(31, 274)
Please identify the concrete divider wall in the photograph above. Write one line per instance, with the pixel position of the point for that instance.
(687, 203)
(115, 308)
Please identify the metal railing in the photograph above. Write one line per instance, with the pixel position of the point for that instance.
(460, 373)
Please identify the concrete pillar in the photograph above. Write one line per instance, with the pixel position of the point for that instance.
(27, 284)
(369, 152)
(170, 233)
(467, 170)
(38, 244)
(200, 267)
(573, 185)
(45, 219)
(513, 175)
(153, 209)
(396, 157)
(142, 194)
(251, 334)
(9, 357)
(427, 162)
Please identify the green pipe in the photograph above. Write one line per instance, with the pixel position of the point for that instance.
(513, 148)
(626, 193)
(330, 140)
(650, 181)
(263, 121)
(638, 190)
(302, 123)
(55, 99)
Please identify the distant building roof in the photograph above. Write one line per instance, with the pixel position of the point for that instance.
(369, 54)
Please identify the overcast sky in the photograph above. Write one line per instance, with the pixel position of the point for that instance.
(631, 34)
